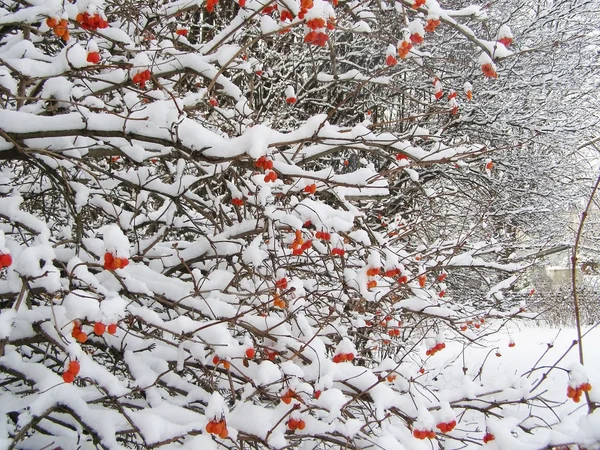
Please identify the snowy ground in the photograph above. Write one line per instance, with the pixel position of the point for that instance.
(545, 350)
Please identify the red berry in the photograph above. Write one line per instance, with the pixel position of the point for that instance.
(488, 437)
(68, 377)
(5, 260)
(74, 368)
(99, 328)
(108, 260)
(250, 353)
(112, 328)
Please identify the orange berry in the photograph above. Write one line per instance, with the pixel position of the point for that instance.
(74, 367)
(288, 396)
(112, 328)
(81, 337)
(68, 377)
(99, 328)
(60, 30)
(210, 426)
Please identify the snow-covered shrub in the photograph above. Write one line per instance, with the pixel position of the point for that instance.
(196, 261)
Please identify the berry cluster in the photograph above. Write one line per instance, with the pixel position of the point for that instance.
(100, 328)
(475, 324)
(5, 260)
(264, 163)
(181, 32)
(575, 393)
(237, 201)
(488, 70)
(71, 372)
(305, 5)
(424, 434)
(93, 57)
(78, 334)
(316, 38)
(373, 271)
(91, 22)
(324, 235)
(392, 272)
(422, 280)
(286, 15)
(338, 251)
(371, 284)
(404, 49)
(416, 38)
(446, 427)
(343, 357)
(216, 361)
(294, 424)
(317, 22)
(210, 5)
(278, 302)
(391, 61)
(299, 245)
(288, 396)
(310, 189)
(436, 348)
(281, 283)
(394, 332)
(141, 78)
(60, 27)
(418, 3)
(112, 263)
(506, 41)
(432, 24)
(269, 9)
(219, 428)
